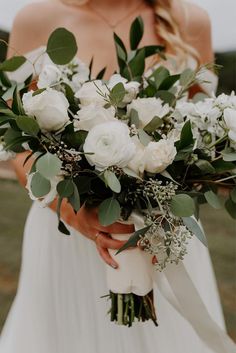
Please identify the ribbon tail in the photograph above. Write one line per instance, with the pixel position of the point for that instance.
(187, 301)
(182, 294)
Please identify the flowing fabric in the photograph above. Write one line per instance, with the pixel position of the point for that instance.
(58, 308)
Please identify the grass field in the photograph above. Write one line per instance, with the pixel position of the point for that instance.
(14, 204)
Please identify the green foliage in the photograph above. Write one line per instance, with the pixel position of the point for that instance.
(61, 46)
(133, 240)
(65, 188)
(117, 94)
(112, 181)
(213, 199)
(49, 165)
(196, 229)
(40, 186)
(28, 124)
(182, 205)
(12, 64)
(109, 211)
(136, 33)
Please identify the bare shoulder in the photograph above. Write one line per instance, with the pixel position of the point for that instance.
(195, 26)
(33, 24)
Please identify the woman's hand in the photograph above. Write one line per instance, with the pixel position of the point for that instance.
(86, 222)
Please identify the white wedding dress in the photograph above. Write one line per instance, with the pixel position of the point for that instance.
(58, 308)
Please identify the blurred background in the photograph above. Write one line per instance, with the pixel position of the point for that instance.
(220, 229)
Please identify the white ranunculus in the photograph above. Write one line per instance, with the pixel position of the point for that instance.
(93, 114)
(159, 155)
(110, 144)
(49, 108)
(6, 155)
(49, 75)
(47, 199)
(148, 108)
(132, 87)
(137, 162)
(91, 92)
(230, 120)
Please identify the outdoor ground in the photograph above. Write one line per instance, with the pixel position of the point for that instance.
(14, 204)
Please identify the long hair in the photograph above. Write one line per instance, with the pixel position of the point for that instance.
(167, 29)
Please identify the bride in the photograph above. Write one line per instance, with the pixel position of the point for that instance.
(58, 307)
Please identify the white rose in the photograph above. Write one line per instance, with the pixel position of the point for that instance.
(6, 155)
(91, 92)
(137, 162)
(93, 114)
(230, 120)
(148, 108)
(110, 144)
(131, 88)
(159, 155)
(49, 108)
(49, 75)
(47, 199)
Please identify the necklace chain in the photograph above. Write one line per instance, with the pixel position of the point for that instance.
(118, 22)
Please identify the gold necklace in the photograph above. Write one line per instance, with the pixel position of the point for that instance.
(113, 26)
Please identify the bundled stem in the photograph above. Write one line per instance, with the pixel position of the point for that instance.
(128, 308)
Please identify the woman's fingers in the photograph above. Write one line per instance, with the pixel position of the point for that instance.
(104, 253)
(117, 228)
(104, 241)
(154, 260)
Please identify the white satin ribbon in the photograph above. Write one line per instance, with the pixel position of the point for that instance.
(185, 298)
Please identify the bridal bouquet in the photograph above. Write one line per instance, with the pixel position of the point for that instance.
(134, 146)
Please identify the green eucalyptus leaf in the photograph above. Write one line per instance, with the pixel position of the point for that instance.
(5, 80)
(205, 166)
(195, 228)
(168, 82)
(151, 50)
(229, 156)
(109, 211)
(74, 199)
(134, 118)
(154, 124)
(233, 195)
(182, 205)
(166, 96)
(75, 139)
(186, 137)
(49, 165)
(159, 76)
(131, 173)
(61, 46)
(65, 188)
(213, 200)
(136, 32)
(231, 208)
(62, 228)
(17, 106)
(101, 74)
(187, 77)
(12, 64)
(39, 185)
(28, 124)
(112, 181)
(144, 137)
(117, 93)
(133, 240)
(137, 64)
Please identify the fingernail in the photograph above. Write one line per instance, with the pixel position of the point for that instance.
(114, 266)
